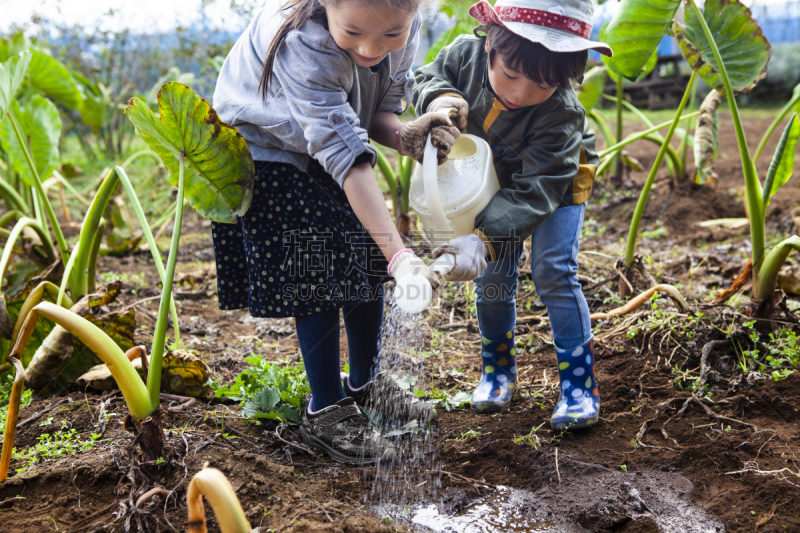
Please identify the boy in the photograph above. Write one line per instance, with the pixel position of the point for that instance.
(512, 88)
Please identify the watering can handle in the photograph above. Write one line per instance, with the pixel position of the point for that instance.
(431, 182)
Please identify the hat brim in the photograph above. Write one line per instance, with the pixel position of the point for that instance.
(552, 39)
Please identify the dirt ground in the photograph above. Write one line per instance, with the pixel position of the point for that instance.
(733, 455)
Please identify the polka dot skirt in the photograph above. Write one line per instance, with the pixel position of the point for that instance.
(299, 250)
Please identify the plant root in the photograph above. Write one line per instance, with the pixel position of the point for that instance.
(645, 426)
(149, 435)
(704, 368)
(753, 468)
(155, 491)
(634, 303)
(736, 286)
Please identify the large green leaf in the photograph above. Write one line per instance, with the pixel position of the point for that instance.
(592, 87)
(173, 74)
(97, 105)
(742, 45)
(12, 72)
(52, 78)
(782, 166)
(39, 124)
(219, 168)
(13, 45)
(635, 31)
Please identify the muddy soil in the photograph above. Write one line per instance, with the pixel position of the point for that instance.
(658, 460)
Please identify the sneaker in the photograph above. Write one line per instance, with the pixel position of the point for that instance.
(343, 432)
(386, 402)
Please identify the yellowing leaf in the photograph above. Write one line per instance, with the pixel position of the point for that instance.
(219, 170)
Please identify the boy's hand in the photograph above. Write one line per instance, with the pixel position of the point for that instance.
(455, 102)
(470, 252)
(414, 135)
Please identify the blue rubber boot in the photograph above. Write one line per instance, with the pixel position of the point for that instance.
(579, 405)
(499, 375)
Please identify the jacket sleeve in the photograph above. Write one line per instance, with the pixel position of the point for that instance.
(549, 164)
(437, 78)
(318, 102)
(402, 80)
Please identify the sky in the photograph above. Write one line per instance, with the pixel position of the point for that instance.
(141, 15)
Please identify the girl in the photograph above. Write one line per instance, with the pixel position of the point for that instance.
(307, 85)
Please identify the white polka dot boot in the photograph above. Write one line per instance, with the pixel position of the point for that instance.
(499, 376)
(579, 405)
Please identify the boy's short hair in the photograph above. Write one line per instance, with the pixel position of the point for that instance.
(537, 63)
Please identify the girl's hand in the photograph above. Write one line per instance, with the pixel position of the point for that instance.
(414, 135)
(455, 102)
(406, 263)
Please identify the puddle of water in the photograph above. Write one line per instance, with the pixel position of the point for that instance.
(499, 511)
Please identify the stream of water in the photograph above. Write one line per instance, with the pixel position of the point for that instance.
(414, 474)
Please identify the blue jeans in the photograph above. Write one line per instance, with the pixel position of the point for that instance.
(554, 253)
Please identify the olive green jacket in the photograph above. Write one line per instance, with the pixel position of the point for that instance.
(544, 154)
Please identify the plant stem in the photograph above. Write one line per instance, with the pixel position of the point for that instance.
(91, 268)
(778, 119)
(213, 484)
(159, 336)
(752, 186)
(405, 184)
(68, 269)
(34, 298)
(148, 235)
(89, 230)
(142, 153)
(640, 135)
(128, 380)
(602, 125)
(605, 154)
(14, 400)
(620, 97)
(685, 141)
(630, 107)
(772, 265)
(12, 240)
(391, 181)
(10, 195)
(37, 183)
(633, 233)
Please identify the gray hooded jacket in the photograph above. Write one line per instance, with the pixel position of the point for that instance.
(320, 103)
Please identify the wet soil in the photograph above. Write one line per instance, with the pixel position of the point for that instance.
(728, 462)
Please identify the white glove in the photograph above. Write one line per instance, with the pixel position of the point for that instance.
(406, 263)
(456, 102)
(470, 252)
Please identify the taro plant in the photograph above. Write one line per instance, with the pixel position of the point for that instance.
(705, 37)
(741, 39)
(211, 166)
(30, 135)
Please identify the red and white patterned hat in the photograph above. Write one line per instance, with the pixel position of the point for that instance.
(558, 25)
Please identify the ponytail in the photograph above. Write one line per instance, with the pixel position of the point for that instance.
(302, 12)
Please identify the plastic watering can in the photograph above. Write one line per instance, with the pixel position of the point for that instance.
(447, 198)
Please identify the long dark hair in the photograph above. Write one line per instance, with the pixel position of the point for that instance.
(302, 12)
